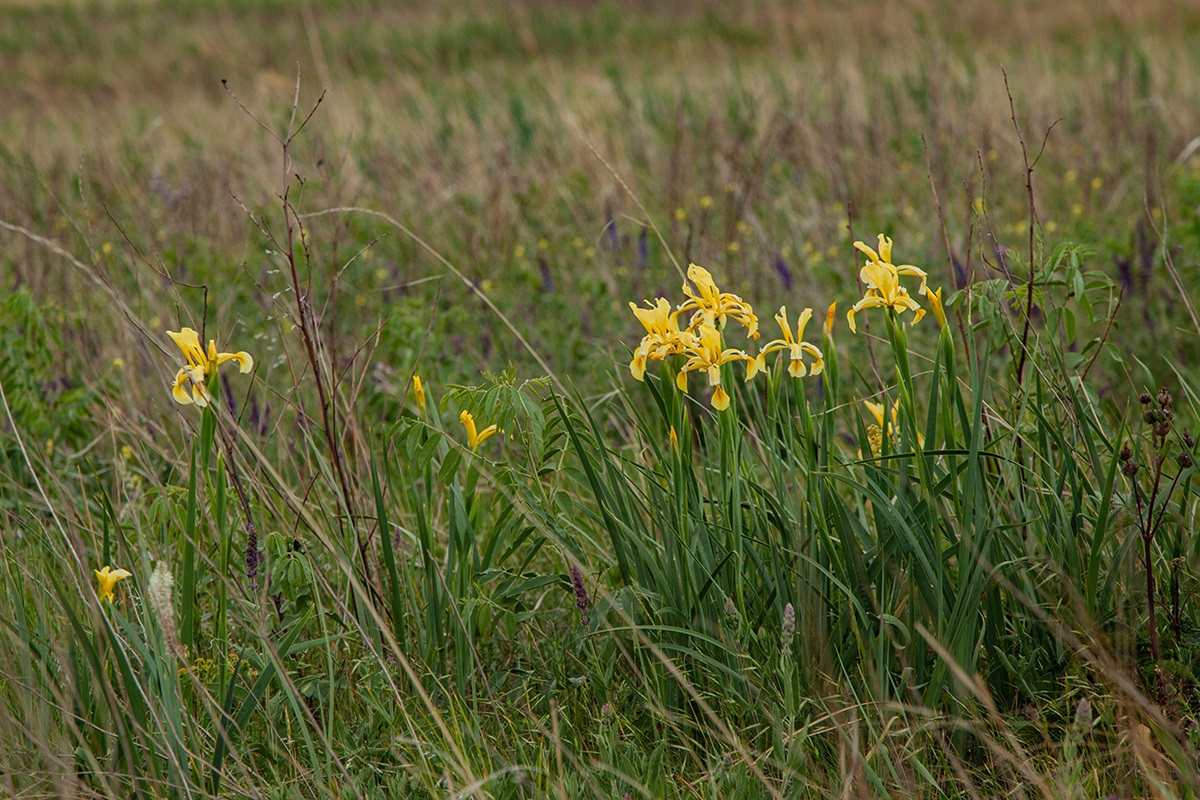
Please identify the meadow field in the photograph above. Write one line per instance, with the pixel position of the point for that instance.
(335, 462)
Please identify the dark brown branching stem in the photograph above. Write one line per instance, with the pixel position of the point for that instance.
(1029, 165)
(1152, 504)
(305, 318)
(306, 324)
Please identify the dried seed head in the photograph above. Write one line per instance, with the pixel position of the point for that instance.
(1144, 398)
(252, 555)
(1126, 453)
(1188, 441)
(1129, 469)
(1184, 460)
(162, 582)
(1164, 398)
(582, 601)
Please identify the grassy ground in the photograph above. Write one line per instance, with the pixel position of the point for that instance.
(626, 592)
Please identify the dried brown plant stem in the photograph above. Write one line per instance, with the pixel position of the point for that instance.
(305, 319)
(1029, 165)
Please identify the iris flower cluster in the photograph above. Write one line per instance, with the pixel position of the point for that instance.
(701, 341)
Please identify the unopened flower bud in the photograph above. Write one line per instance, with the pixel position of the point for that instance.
(1083, 715)
(788, 630)
(732, 618)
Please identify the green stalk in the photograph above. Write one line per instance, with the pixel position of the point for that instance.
(187, 589)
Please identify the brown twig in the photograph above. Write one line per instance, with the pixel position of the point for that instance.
(1029, 165)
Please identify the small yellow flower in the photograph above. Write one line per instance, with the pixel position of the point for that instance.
(201, 366)
(1071, 176)
(706, 202)
(935, 302)
(733, 247)
(680, 215)
(795, 345)
(118, 363)
(875, 433)
(882, 279)
(107, 579)
(830, 316)
(705, 353)
(1097, 182)
(474, 439)
(419, 390)
(712, 306)
(663, 337)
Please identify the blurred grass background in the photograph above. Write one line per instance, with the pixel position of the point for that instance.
(744, 132)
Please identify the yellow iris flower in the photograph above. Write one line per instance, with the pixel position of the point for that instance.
(201, 366)
(475, 438)
(705, 353)
(875, 433)
(107, 579)
(712, 306)
(663, 337)
(794, 344)
(882, 279)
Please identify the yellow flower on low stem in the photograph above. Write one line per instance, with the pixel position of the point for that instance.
(107, 579)
(795, 345)
(705, 353)
(882, 279)
(881, 429)
(474, 439)
(201, 366)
